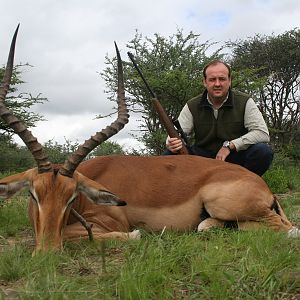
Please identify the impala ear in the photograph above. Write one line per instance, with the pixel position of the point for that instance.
(8, 189)
(96, 192)
(101, 197)
(15, 183)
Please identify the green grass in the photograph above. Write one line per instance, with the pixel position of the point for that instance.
(13, 216)
(220, 264)
(283, 179)
(216, 265)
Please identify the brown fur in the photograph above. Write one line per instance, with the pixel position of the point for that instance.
(166, 192)
(171, 192)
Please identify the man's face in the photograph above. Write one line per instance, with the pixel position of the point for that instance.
(217, 82)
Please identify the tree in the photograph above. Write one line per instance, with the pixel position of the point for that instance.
(14, 158)
(107, 148)
(21, 103)
(58, 153)
(276, 61)
(172, 67)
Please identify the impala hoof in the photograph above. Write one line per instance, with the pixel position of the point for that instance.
(210, 223)
(294, 232)
(135, 235)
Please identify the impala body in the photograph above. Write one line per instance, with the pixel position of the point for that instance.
(160, 192)
(173, 191)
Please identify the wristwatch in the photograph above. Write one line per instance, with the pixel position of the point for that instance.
(226, 144)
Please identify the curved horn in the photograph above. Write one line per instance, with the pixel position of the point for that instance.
(83, 150)
(13, 122)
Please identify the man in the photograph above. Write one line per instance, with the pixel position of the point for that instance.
(227, 124)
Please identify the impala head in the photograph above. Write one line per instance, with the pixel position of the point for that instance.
(53, 189)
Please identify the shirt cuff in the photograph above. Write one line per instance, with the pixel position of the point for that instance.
(239, 145)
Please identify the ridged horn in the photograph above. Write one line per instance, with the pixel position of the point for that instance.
(13, 122)
(83, 150)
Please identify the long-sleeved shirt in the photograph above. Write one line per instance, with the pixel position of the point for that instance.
(253, 121)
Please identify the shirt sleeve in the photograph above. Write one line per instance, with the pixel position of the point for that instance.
(186, 120)
(255, 124)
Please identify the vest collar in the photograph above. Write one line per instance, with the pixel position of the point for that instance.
(228, 103)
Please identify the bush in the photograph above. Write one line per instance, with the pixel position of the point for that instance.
(293, 151)
(277, 180)
(15, 158)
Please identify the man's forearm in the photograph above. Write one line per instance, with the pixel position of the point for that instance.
(250, 138)
(255, 124)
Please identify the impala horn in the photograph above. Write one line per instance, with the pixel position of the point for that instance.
(13, 122)
(83, 150)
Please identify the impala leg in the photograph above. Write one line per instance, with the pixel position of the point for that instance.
(263, 212)
(276, 222)
(216, 223)
(273, 221)
(210, 223)
(76, 232)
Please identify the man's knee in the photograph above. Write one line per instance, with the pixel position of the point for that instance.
(259, 158)
(262, 152)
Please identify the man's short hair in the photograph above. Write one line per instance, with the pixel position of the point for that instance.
(215, 62)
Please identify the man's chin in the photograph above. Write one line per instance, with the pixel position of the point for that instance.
(219, 96)
(218, 93)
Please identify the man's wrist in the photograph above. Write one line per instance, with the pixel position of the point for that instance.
(229, 145)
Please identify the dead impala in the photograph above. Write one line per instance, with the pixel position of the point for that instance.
(169, 192)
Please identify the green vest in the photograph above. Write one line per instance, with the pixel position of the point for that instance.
(210, 133)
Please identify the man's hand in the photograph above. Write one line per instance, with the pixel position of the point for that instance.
(174, 144)
(222, 153)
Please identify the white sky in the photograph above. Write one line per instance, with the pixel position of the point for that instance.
(66, 41)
